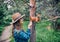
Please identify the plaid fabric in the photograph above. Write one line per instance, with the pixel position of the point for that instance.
(21, 36)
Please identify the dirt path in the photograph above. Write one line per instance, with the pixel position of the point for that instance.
(6, 34)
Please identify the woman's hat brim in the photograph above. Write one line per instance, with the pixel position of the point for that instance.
(17, 19)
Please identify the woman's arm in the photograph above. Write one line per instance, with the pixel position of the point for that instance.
(30, 25)
(26, 35)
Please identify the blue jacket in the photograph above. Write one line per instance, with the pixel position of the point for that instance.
(21, 36)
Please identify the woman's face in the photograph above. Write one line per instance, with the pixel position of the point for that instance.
(19, 23)
(21, 20)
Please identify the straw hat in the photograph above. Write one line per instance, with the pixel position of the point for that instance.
(16, 17)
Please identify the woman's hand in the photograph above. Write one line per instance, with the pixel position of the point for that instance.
(30, 25)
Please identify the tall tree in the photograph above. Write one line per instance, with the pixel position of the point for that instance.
(32, 13)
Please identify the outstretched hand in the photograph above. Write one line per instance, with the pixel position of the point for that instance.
(30, 25)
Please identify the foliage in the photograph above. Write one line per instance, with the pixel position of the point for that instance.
(22, 7)
(1, 29)
(42, 32)
(58, 20)
(44, 7)
(58, 7)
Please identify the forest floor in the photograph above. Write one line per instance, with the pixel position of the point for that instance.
(44, 33)
(6, 34)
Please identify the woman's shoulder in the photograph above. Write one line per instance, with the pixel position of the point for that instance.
(15, 30)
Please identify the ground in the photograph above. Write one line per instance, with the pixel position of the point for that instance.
(6, 34)
(44, 32)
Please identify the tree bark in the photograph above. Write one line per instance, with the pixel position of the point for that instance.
(32, 13)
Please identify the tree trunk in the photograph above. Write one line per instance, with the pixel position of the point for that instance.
(32, 13)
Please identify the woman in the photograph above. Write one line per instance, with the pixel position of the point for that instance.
(19, 34)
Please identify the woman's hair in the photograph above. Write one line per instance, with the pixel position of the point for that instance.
(13, 29)
(16, 24)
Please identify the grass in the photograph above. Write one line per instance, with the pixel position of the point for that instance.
(42, 33)
(45, 35)
(1, 29)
